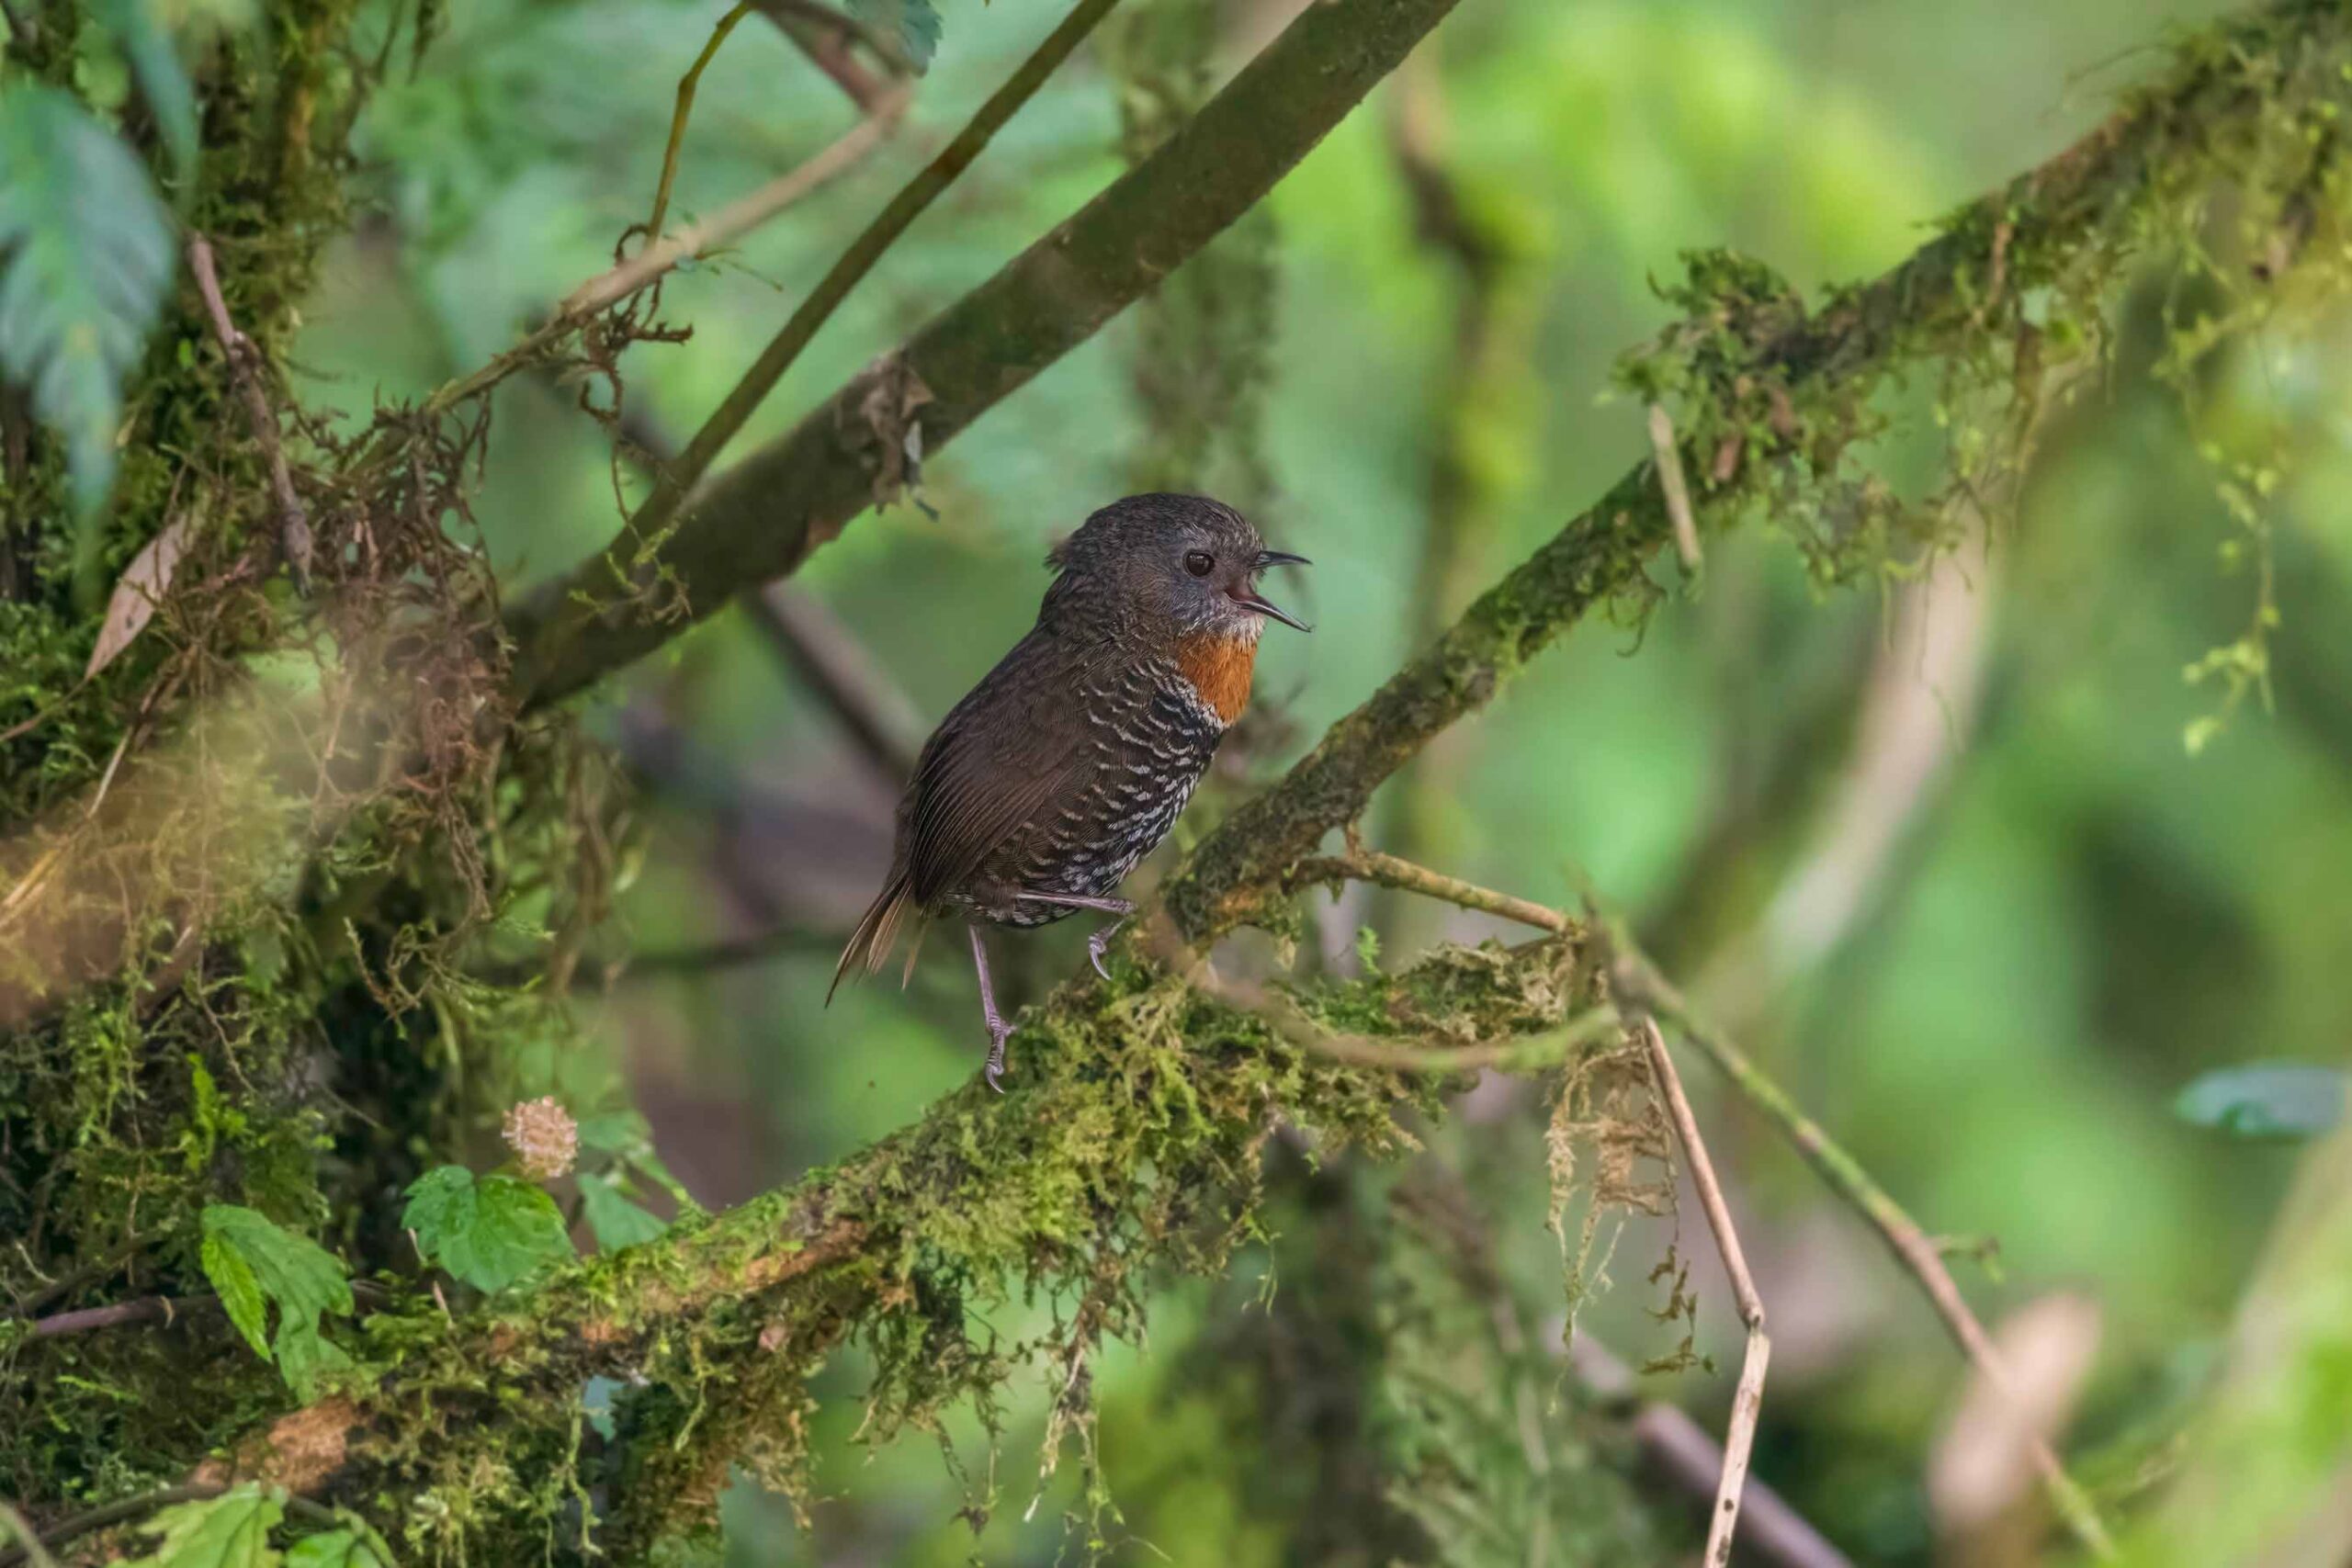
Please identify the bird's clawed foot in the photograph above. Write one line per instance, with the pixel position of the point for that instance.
(999, 1033)
(1100, 943)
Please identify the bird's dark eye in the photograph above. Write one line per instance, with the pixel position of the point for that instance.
(1200, 563)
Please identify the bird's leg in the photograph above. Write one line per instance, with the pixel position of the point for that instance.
(998, 1027)
(1101, 941)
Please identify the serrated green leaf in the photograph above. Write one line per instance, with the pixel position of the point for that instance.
(624, 1135)
(88, 251)
(247, 1256)
(140, 30)
(228, 1532)
(335, 1549)
(914, 23)
(489, 1233)
(240, 1292)
(613, 1219)
(2270, 1101)
(616, 1132)
(306, 1358)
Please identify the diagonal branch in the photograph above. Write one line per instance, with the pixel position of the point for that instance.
(2064, 227)
(765, 516)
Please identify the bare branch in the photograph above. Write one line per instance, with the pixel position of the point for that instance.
(1360, 864)
(293, 521)
(164, 1310)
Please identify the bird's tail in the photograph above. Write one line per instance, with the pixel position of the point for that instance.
(877, 931)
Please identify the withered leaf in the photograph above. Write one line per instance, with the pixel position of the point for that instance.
(137, 593)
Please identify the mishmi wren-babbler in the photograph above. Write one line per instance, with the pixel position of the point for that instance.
(1069, 762)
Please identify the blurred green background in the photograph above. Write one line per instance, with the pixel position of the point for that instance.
(1938, 851)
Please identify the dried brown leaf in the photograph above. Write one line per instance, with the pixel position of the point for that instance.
(137, 592)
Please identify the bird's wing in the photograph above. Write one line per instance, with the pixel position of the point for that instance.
(1014, 744)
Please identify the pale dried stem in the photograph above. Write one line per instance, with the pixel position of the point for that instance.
(1674, 486)
(1748, 1399)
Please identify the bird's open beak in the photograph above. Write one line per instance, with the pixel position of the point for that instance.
(1250, 598)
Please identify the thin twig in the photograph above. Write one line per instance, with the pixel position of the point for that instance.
(1748, 1399)
(684, 110)
(1636, 982)
(652, 519)
(729, 223)
(1676, 490)
(1361, 865)
(89, 1274)
(293, 520)
(1688, 1454)
(143, 1309)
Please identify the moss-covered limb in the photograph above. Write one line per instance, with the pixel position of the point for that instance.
(763, 517)
(1133, 1131)
(1773, 396)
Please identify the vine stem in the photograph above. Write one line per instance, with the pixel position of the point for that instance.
(686, 107)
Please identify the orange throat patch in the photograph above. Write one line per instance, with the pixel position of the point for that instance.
(1218, 668)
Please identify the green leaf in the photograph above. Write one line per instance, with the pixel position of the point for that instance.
(335, 1549)
(139, 29)
(2269, 1101)
(88, 250)
(622, 1132)
(307, 1358)
(915, 24)
(489, 1233)
(615, 1221)
(248, 1257)
(232, 1277)
(624, 1135)
(228, 1532)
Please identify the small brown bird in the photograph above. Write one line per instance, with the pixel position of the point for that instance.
(1070, 761)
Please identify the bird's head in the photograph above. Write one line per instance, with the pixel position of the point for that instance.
(1180, 564)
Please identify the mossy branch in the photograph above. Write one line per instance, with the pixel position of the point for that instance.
(1137, 1122)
